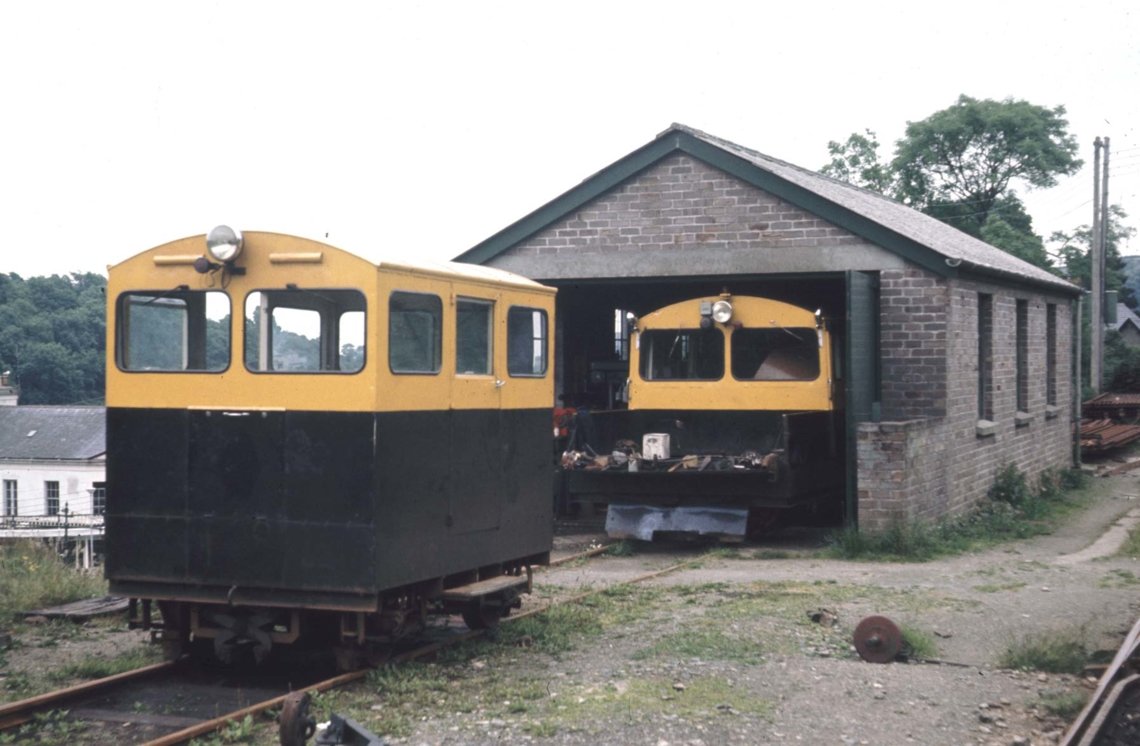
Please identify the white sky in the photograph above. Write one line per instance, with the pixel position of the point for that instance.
(420, 129)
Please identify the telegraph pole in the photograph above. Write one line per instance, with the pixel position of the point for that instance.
(1096, 282)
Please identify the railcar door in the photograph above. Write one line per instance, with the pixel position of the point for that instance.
(477, 438)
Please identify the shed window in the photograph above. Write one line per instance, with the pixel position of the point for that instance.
(473, 336)
(1051, 354)
(775, 354)
(415, 333)
(304, 331)
(985, 356)
(1022, 355)
(526, 341)
(682, 354)
(173, 330)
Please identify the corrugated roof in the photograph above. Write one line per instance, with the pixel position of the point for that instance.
(52, 433)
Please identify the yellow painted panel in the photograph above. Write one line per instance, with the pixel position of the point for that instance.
(375, 387)
(729, 393)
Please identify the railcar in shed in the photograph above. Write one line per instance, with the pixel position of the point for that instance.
(734, 418)
(306, 445)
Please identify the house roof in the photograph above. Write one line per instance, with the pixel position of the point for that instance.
(1124, 316)
(915, 236)
(52, 433)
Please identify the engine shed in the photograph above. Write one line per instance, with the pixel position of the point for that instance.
(954, 358)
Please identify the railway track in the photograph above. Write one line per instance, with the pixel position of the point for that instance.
(1112, 715)
(174, 702)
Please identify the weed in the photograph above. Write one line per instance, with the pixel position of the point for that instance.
(998, 587)
(1010, 487)
(1118, 579)
(1131, 546)
(1066, 705)
(234, 731)
(555, 630)
(1013, 511)
(623, 548)
(1052, 652)
(32, 576)
(703, 644)
(98, 668)
(918, 644)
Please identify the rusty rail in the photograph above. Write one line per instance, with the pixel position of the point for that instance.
(1097, 714)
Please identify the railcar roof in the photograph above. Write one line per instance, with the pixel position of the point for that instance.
(444, 269)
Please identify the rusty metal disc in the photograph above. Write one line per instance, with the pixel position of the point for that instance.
(294, 726)
(878, 639)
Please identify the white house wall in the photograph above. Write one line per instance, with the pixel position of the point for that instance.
(76, 484)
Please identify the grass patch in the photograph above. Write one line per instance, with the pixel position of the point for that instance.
(1065, 705)
(998, 587)
(1118, 579)
(1131, 546)
(32, 576)
(653, 698)
(623, 548)
(704, 644)
(1051, 652)
(1014, 510)
(917, 643)
(99, 668)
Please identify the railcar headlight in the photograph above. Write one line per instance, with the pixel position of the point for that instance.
(722, 311)
(224, 244)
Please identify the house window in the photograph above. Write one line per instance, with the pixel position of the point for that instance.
(11, 495)
(1051, 354)
(1022, 353)
(985, 356)
(51, 498)
(99, 498)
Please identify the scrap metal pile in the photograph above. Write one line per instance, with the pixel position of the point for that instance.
(626, 457)
(1101, 436)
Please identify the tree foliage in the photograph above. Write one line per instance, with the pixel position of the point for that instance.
(1073, 249)
(969, 155)
(52, 332)
(962, 164)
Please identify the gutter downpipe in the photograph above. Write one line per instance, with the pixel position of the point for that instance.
(1078, 346)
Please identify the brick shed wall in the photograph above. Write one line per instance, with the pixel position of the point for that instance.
(930, 463)
(684, 217)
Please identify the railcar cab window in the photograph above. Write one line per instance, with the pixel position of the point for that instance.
(473, 336)
(682, 354)
(526, 341)
(177, 330)
(779, 354)
(304, 331)
(415, 333)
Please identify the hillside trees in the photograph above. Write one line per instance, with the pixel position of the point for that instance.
(51, 337)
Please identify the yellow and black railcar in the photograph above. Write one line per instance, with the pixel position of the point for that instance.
(731, 422)
(303, 441)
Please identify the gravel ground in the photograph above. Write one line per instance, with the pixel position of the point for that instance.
(807, 686)
(779, 678)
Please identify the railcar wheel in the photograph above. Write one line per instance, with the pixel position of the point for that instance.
(480, 615)
(294, 725)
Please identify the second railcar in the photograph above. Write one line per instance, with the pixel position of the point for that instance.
(732, 422)
(302, 444)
